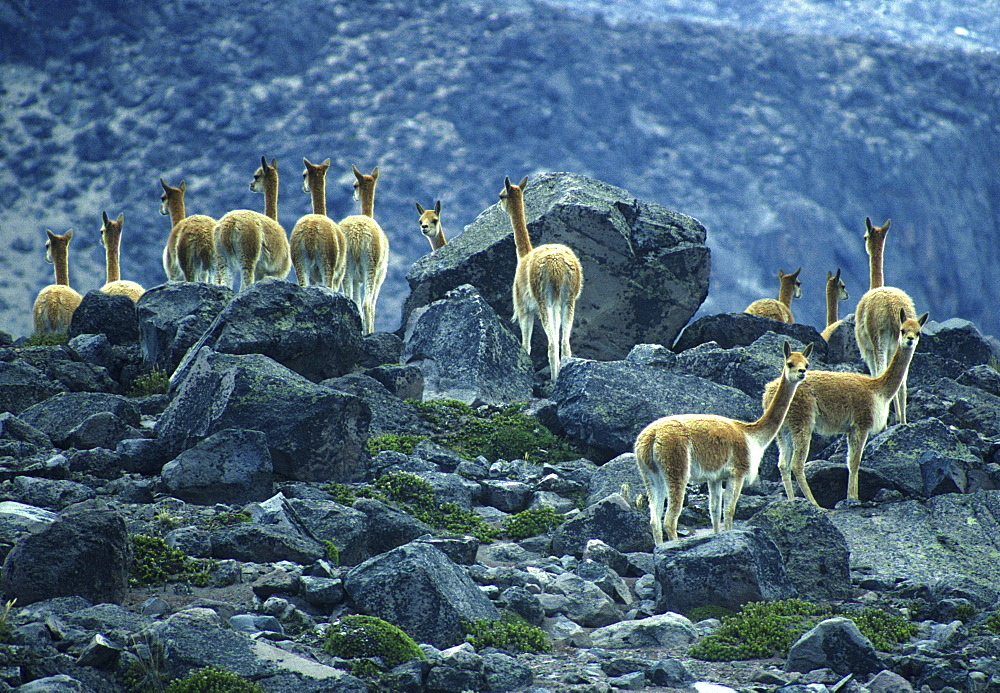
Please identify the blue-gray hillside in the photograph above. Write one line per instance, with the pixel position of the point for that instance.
(779, 142)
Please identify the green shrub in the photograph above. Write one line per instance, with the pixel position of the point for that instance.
(342, 493)
(6, 630)
(531, 523)
(407, 488)
(965, 612)
(509, 632)
(156, 563)
(212, 680)
(884, 630)
(455, 520)
(155, 382)
(700, 613)
(332, 552)
(397, 442)
(226, 519)
(53, 339)
(759, 629)
(993, 623)
(358, 636)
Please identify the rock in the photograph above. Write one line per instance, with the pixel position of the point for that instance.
(506, 495)
(504, 673)
(730, 330)
(321, 520)
(232, 466)
(253, 392)
(405, 382)
(19, 439)
(727, 569)
(525, 604)
(95, 364)
(389, 413)
(388, 528)
(946, 535)
(465, 353)
(667, 630)
(606, 404)
(612, 520)
(64, 417)
(418, 588)
(83, 553)
(22, 385)
(173, 316)
(889, 682)
(111, 315)
(842, 347)
(54, 494)
(379, 349)
(256, 543)
(836, 644)
(621, 476)
(645, 267)
(313, 330)
(815, 554)
(959, 340)
(579, 600)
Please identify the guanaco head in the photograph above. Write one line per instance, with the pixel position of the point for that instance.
(364, 184)
(875, 236)
(111, 231)
(909, 330)
(313, 172)
(264, 175)
(796, 362)
(58, 242)
(835, 286)
(790, 283)
(430, 220)
(170, 194)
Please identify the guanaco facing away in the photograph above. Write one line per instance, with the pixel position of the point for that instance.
(430, 225)
(789, 287)
(676, 450)
(367, 250)
(54, 306)
(836, 291)
(318, 245)
(547, 282)
(190, 251)
(831, 402)
(111, 236)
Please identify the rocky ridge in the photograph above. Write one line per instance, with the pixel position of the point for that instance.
(233, 464)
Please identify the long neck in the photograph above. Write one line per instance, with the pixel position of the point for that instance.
(515, 208)
(437, 240)
(271, 196)
(175, 203)
(60, 261)
(111, 245)
(875, 276)
(366, 193)
(832, 301)
(785, 292)
(888, 383)
(317, 189)
(766, 427)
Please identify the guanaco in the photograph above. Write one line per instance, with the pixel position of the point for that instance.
(789, 287)
(430, 225)
(836, 291)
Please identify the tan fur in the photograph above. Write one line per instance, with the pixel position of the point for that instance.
(190, 251)
(830, 403)
(54, 306)
(876, 319)
(111, 237)
(696, 448)
(318, 245)
(430, 225)
(547, 282)
(251, 243)
(836, 291)
(367, 250)
(789, 287)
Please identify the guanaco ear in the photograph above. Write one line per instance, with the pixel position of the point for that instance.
(68, 235)
(166, 188)
(121, 218)
(787, 348)
(437, 207)
(837, 276)
(274, 163)
(182, 187)
(375, 173)
(506, 185)
(868, 225)
(923, 318)
(357, 173)
(885, 226)
(51, 235)
(307, 162)
(902, 316)
(420, 208)
(795, 274)
(263, 163)
(326, 162)
(807, 350)
(523, 184)
(104, 218)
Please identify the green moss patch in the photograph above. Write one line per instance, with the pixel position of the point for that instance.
(359, 636)
(509, 632)
(156, 563)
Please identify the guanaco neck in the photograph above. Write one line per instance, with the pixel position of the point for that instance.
(60, 261)
(515, 208)
(785, 292)
(175, 203)
(766, 427)
(271, 192)
(366, 193)
(317, 189)
(876, 249)
(111, 237)
(832, 301)
(888, 383)
(438, 239)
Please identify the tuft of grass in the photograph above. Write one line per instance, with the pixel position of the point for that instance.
(883, 629)
(509, 632)
(156, 563)
(213, 680)
(342, 493)
(759, 629)
(415, 495)
(359, 636)
(993, 623)
(332, 552)
(531, 523)
(406, 488)
(155, 382)
(6, 630)
(53, 339)
(226, 519)
(167, 519)
(700, 613)
(397, 442)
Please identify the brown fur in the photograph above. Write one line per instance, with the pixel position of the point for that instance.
(111, 236)
(190, 251)
(830, 403)
(367, 250)
(789, 287)
(251, 243)
(875, 247)
(547, 282)
(676, 450)
(836, 291)
(430, 225)
(318, 245)
(54, 306)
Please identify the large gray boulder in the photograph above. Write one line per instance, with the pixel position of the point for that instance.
(837, 644)
(64, 417)
(232, 466)
(612, 520)
(465, 353)
(111, 315)
(947, 535)
(645, 267)
(173, 316)
(959, 340)
(418, 588)
(312, 330)
(22, 385)
(314, 433)
(729, 330)
(390, 414)
(606, 404)
(727, 569)
(86, 552)
(321, 520)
